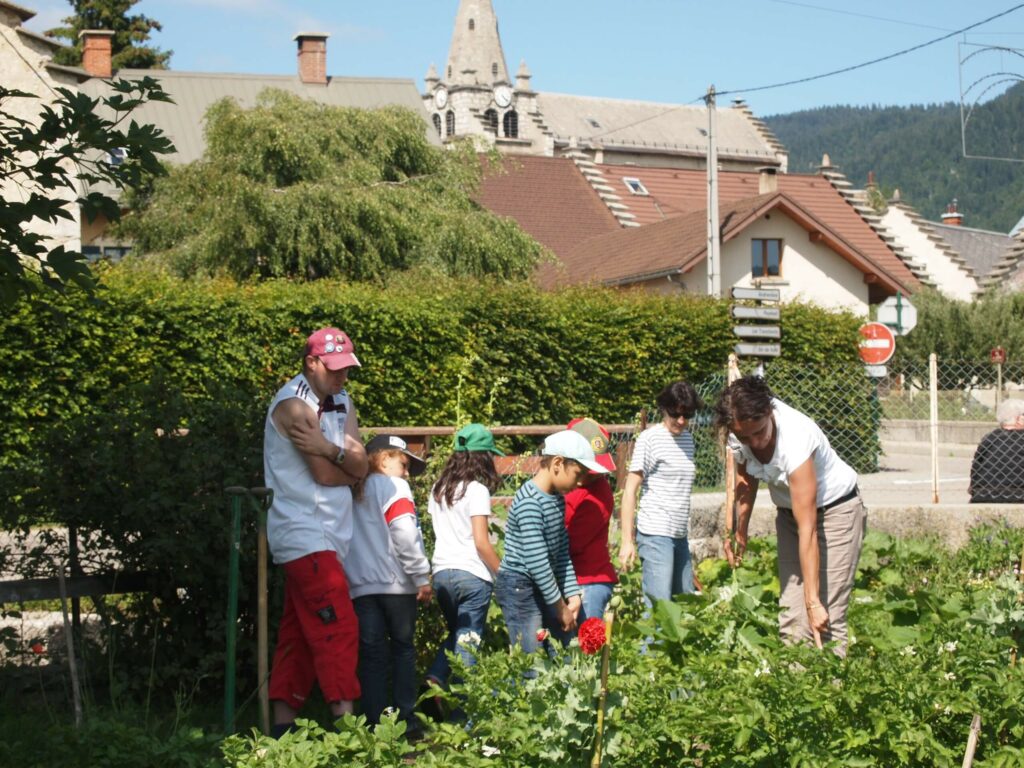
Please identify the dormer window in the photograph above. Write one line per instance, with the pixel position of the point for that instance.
(635, 186)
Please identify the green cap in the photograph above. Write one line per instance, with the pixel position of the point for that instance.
(475, 437)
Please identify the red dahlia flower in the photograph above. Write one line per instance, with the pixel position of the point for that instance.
(542, 635)
(38, 649)
(592, 635)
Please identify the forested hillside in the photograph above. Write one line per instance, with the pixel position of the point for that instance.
(918, 150)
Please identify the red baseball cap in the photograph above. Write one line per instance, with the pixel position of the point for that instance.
(598, 438)
(334, 348)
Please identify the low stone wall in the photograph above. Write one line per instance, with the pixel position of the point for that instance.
(949, 523)
(956, 432)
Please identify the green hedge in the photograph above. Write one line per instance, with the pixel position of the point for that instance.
(97, 395)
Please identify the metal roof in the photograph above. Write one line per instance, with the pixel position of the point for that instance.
(194, 92)
(981, 249)
(647, 125)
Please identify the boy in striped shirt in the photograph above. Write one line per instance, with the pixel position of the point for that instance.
(536, 585)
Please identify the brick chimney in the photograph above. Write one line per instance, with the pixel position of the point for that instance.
(312, 57)
(97, 48)
(767, 179)
(952, 216)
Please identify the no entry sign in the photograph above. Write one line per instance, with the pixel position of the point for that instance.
(877, 343)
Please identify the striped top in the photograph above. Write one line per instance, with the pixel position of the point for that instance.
(537, 544)
(668, 465)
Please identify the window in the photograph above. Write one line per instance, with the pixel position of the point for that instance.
(511, 124)
(437, 123)
(117, 156)
(494, 69)
(766, 258)
(449, 123)
(472, 25)
(491, 121)
(635, 186)
(593, 123)
(449, 73)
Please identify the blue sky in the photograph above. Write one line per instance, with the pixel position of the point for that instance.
(656, 50)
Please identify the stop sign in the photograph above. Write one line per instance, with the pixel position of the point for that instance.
(877, 343)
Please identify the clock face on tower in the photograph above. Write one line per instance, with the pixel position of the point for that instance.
(440, 98)
(502, 96)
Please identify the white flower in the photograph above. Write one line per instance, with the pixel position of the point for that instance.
(947, 711)
(490, 751)
(469, 638)
(950, 647)
(762, 669)
(908, 650)
(950, 676)
(924, 579)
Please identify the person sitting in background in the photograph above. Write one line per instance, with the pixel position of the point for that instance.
(997, 472)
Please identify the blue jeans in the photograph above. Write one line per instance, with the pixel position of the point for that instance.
(525, 611)
(387, 624)
(464, 600)
(595, 600)
(667, 569)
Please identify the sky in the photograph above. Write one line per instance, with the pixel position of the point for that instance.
(666, 51)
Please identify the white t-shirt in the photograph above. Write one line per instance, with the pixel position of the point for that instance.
(668, 464)
(304, 516)
(798, 438)
(454, 547)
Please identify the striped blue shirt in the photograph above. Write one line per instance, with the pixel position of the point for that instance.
(537, 544)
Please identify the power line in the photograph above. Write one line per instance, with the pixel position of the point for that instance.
(859, 15)
(904, 52)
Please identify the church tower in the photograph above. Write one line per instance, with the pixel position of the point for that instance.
(474, 96)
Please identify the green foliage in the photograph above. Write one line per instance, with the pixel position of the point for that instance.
(959, 330)
(128, 416)
(130, 33)
(918, 150)
(52, 158)
(297, 188)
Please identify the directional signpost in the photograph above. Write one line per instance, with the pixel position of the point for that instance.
(757, 332)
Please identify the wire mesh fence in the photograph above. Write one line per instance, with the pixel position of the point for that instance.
(967, 390)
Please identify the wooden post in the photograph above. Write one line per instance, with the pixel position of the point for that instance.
(731, 375)
(76, 693)
(933, 390)
(972, 742)
(262, 663)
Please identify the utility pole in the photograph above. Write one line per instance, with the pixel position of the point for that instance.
(714, 242)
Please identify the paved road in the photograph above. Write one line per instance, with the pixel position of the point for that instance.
(905, 478)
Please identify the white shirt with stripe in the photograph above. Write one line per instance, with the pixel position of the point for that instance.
(668, 464)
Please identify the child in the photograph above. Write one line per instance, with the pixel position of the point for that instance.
(464, 559)
(536, 585)
(388, 574)
(588, 511)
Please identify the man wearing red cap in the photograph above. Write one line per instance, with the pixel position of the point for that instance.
(312, 455)
(588, 511)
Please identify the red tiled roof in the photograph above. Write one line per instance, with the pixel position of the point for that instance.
(674, 192)
(550, 199)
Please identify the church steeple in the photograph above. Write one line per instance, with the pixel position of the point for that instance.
(475, 56)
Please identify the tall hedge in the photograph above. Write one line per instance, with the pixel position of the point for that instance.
(127, 416)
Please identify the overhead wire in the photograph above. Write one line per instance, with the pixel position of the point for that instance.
(821, 76)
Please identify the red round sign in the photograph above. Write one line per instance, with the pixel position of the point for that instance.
(997, 355)
(877, 343)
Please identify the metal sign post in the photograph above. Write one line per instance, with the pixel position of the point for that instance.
(998, 356)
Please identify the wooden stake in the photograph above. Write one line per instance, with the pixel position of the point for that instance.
(609, 620)
(972, 742)
(76, 694)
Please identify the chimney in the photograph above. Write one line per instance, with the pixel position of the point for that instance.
(312, 57)
(767, 179)
(952, 216)
(97, 48)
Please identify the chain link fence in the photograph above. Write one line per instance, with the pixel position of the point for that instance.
(967, 390)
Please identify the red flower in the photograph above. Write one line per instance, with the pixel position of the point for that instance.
(542, 635)
(592, 635)
(38, 649)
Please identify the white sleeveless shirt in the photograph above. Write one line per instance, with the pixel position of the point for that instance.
(305, 516)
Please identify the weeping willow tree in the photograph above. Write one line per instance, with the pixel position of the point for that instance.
(295, 188)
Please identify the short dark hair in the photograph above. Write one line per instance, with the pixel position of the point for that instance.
(745, 399)
(678, 399)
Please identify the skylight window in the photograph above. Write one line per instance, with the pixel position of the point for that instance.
(635, 186)
(593, 123)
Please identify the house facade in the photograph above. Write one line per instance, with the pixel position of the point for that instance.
(26, 65)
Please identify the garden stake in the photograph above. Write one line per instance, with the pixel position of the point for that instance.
(972, 741)
(266, 496)
(76, 694)
(609, 620)
(234, 543)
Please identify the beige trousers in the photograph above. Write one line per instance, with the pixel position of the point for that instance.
(840, 535)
